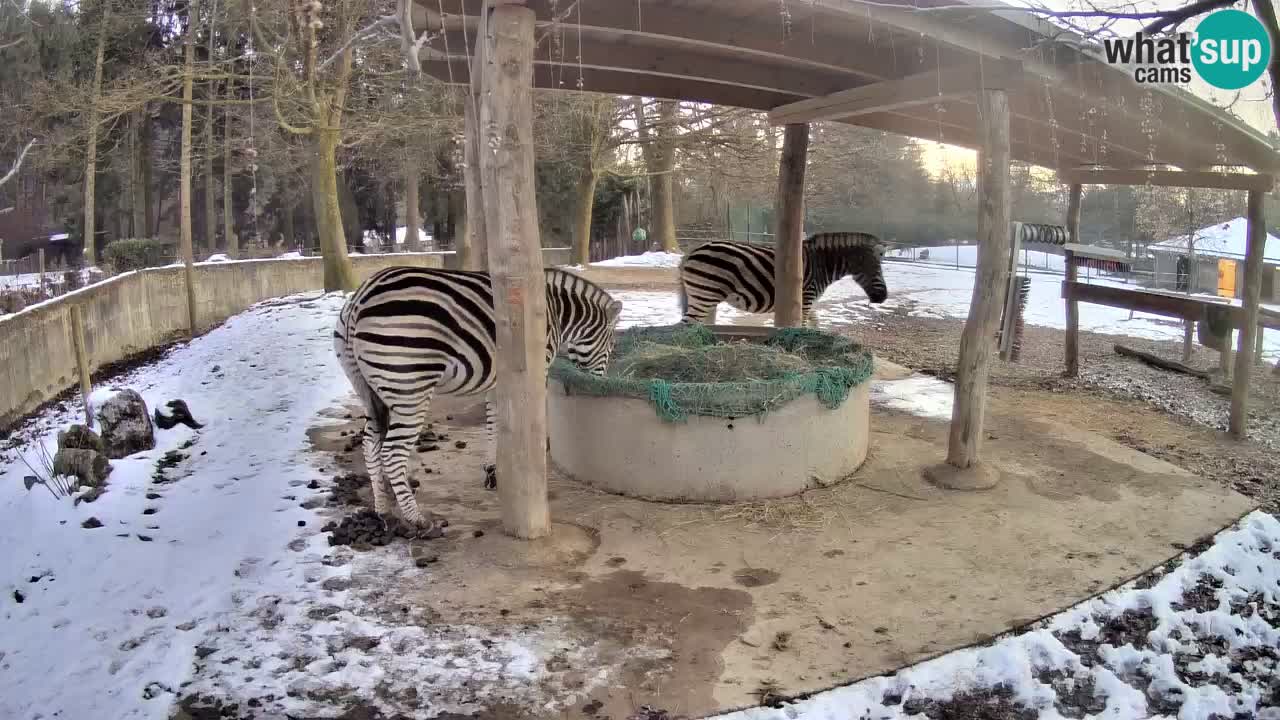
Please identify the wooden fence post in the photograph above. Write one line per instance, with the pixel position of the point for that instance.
(515, 261)
(40, 265)
(82, 360)
(962, 470)
(788, 252)
(1257, 234)
(1074, 199)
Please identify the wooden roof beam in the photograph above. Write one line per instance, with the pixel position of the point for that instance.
(688, 26)
(1168, 178)
(919, 89)
(676, 62)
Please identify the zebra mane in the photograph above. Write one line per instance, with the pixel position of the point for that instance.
(842, 241)
(575, 284)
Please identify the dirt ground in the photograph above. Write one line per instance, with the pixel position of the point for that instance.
(1166, 415)
(698, 608)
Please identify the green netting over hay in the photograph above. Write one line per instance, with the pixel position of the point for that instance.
(683, 370)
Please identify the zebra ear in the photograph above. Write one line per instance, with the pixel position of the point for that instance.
(613, 310)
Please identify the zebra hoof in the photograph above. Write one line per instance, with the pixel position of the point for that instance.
(490, 477)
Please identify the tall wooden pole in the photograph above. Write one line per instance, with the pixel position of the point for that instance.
(788, 242)
(976, 342)
(472, 245)
(1073, 308)
(1249, 329)
(515, 263)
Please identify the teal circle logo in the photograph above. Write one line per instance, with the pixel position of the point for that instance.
(1232, 49)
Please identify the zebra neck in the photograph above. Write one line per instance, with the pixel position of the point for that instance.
(822, 269)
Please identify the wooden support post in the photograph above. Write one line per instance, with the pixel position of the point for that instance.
(1226, 356)
(976, 342)
(472, 245)
(82, 360)
(40, 266)
(1257, 346)
(788, 247)
(515, 262)
(1074, 199)
(1249, 326)
(1188, 333)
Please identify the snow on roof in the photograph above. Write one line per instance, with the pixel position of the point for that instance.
(1226, 239)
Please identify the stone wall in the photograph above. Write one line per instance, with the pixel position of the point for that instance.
(136, 311)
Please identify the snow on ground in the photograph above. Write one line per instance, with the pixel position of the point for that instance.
(648, 259)
(220, 591)
(1198, 644)
(224, 584)
(967, 256)
(372, 239)
(917, 394)
(932, 291)
(51, 277)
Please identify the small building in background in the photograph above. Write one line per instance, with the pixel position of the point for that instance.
(1211, 260)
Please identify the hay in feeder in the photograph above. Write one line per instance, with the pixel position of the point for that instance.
(682, 370)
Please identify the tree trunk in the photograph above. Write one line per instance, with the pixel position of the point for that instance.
(473, 247)
(338, 274)
(991, 277)
(210, 201)
(788, 268)
(228, 196)
(137, 175)
(150, 218)
(664, 209)
(586, 195)
(288, 231)
(91, 148)
(184, 185)
(515, 259)
(412, 219)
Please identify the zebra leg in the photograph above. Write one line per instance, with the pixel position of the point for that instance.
(402, 431)
(491, 452)
(375, 432)
(811, 318)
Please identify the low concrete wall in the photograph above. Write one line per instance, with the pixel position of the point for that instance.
(136, 311)
(621, 446)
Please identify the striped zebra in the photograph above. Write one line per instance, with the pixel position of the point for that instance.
(408, 333)
(742, 275)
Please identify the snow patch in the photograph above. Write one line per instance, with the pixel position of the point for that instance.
(658, 259)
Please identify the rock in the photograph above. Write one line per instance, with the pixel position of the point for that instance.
(180, 415)
(91, 523)
(79, 437)
(90, 467)
(126, 425)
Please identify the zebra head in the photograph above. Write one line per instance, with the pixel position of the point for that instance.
(868, 273)
(588, 340)
(831, 256)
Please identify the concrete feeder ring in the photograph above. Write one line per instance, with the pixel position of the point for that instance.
(621, 445)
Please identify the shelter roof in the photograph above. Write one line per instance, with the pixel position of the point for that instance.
(1227, 240)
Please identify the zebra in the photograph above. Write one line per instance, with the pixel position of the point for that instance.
(742, 275)
(407, 333)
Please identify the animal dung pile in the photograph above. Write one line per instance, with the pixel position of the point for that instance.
(365, 529)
